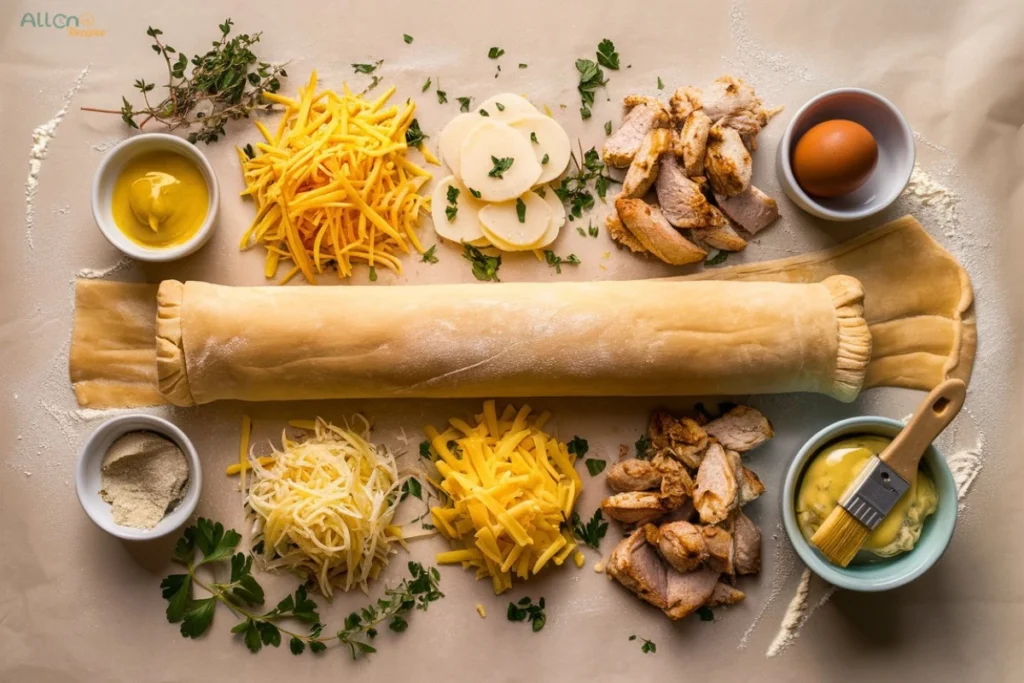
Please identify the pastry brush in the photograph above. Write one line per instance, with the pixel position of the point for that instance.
(886, 477)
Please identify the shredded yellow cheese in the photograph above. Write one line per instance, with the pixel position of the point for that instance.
(323, 507)
(332, 184)
(481, 611)
(241, 467)
(243, 448)
(509, 487)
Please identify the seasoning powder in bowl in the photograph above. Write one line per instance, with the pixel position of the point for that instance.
(144, 475)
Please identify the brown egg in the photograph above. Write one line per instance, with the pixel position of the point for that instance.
(834, 158)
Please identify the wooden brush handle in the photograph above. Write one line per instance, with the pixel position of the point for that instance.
(934, 415)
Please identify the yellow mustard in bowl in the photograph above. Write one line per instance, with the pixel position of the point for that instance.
(833, 468)
(160, 199)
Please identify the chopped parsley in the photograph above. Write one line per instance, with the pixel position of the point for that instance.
(249, 151)
(428, 257)
(425, 445)
(373, 274)
(608, 128)
(556, 261)
(453, 194)
(591, 78)
(474, 193)
(533, 137)
(453, 208)
(495, 52)
(593, 531)
(522, 66)
(525, 610)
(661, 86)
(574, 188)
(592, 230)
(705, 613)
(367, 68)
(414, 137)
(411, 487)
(578, 446)
(464, 103)
(717, 259)
(426, 86)
(581, 231)
(643, 447)
(484, 267)
(451, 211)
(648, 647)
(607, 56)
(545, 159)
(595, 466)
(483, 112)
(407, 38)
(500, 106)
(521, 210)
(500, 166)
(442, 97)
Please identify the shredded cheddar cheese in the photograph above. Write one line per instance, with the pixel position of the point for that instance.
(323, 507)
(332, 184)
(509, 488)
(481, 611)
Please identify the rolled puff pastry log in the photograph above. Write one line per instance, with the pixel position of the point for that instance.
(655, 337)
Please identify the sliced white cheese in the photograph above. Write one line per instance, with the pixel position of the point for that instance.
(558, 216)
(552, 143)
(513, 107)
(501, 224)
(465, 227)
(491, 141)
(454, 134)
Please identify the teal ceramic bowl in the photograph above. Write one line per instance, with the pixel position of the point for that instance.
(869, 573)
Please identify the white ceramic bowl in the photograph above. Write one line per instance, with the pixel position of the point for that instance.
(895, 153)
(88, 475)
(103, 190)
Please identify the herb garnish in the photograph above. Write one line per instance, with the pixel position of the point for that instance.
(648, 647)
(705, 613)
(411, 487)
(578, 446)
(595, 466)
(414, 137)
(242, 593)
(429, 257)
(592, 230)
(525, 609)
(643, 447)
(425, 445)
(522, 66)
(717, 259)
(426, 86)
(533, 137)
(500, 166)
(485, 267)
(249, 151)
(220, 78)
(464, 103)
(608, 128)
(593, 531)
(661, 86)
(495, 52)
(373, 274)
(500, 106)
(407, 38)
(545, 159)
(573, 188)
(591, 78)
(369, 69)
(607, 56)
(556, 261)
(453, 208)
(521, 210)
(474, 193)
(483, 112)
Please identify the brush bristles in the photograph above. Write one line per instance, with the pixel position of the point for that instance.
(840, 537)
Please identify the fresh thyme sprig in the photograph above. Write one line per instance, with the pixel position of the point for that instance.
(242, 593)
(226, 84)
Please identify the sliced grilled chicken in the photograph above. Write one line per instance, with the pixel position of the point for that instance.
(751, 209)
(716, 493)
(656, 234)
(633, 475)
(643, 170)
(746, 545)
(722, 236)
(729, 95)
(689, 592)
(751, 486)
(719, 546)
(727, 161)
(676, 483)
(637, 566)
(684, 101)
(724, 594)
(741, 429)
(681, 200)
(681, 544)
(622, 236)
(633, 507)
(644, 115)
(693, 142)
(682, 438)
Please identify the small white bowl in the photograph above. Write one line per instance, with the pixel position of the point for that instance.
(103, 190)
(88, 475)
(895, 153)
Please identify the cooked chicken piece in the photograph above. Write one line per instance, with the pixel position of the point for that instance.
(729, 95)
(636, 565)
(676, 483)
(722, 237)
(746, 538)
(633, 507)
(681, 544)
(724, 594)
(741, 429)
(718, 543)
(727, 162)
(683, 439)
(687, 593)
(681, 200)
(751, 209)
(622, 236)
(717, 492)
(751, 487)
(645, 115)
(633, 475)
(693, 142)
(629, 102)
(643, 170)
(683, 103)
(649, 226)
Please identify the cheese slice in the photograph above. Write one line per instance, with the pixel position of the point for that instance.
(547, 193)
(552, 144)
(513, 107)
(494, 140)
(453, 135)
(465, 227)
(501, 224)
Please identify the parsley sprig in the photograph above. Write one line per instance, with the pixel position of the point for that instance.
(591, 78)
(643, 447)
(525, 610)
(593, 531)
(500, 165)
(574, 190)
(485, 267)
(648, 646)
(556, 261)
(607, 56)
(208, 543)
(228, 81)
